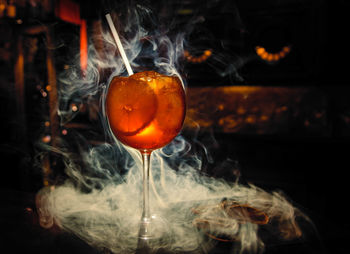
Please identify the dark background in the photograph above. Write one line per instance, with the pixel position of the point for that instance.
(308, 163)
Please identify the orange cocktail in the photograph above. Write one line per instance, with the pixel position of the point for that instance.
(145, 110)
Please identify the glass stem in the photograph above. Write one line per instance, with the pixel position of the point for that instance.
(146, 214)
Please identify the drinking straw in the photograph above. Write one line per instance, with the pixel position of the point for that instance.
(119, 44)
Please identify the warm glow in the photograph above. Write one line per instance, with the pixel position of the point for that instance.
(260, 50)
(43, 93)
(46, 139)
(69, 11)
(272, 57)
(197, 59)
(151, 129)
(83, 46)
(74, 108)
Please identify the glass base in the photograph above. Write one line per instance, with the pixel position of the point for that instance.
(154, 233)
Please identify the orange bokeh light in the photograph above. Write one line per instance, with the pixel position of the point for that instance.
(272, 57)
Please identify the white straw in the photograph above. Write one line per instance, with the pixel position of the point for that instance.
(119, 44)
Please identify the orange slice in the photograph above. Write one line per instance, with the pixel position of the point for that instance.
(171, 104)
(171, 99)
(131, 105)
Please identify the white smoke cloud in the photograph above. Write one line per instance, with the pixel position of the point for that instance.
(106, 212)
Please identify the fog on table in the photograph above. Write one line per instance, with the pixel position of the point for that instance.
(145, 110)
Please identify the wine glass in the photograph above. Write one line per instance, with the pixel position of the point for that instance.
(145, 111)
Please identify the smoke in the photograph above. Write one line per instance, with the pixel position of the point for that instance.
(100, 198)
(103, 207)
